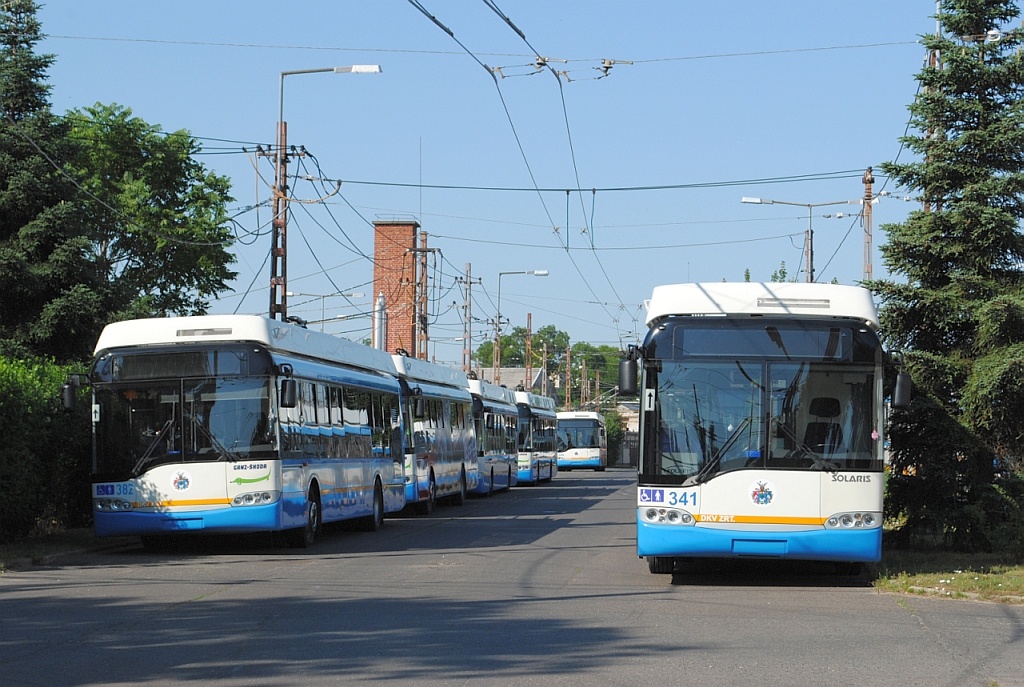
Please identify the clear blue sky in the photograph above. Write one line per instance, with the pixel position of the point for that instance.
(720, 96)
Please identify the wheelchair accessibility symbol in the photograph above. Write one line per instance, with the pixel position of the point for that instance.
(652, 496)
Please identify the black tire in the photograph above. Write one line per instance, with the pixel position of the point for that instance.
(427, 507)
(661, 565)
(305, 536)
(460, 498)
(508, 485)
(490, 486)
(375, 522)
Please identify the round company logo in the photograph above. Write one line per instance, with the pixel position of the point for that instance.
(181, 481)
(762, 493)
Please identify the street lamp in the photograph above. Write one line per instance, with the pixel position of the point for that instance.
(323, 301)
(497, 321)
(279, 232)
(809, 234)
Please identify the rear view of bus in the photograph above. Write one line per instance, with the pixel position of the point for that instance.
(582, 441)
(761, 421)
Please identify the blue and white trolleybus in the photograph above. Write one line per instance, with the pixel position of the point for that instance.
(582, 440)
(241, 423)
(440, 445)
(761, 422)
(538, 460)
(496, 419)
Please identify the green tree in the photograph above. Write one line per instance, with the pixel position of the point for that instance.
(615, 428)
(959, 314)
(780, 275)
(159, 231)
(513, 348)
(51, 302)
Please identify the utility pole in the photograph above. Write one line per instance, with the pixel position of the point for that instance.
(584, 384)
(568, 378)
(868, 197)
(420, 315)
(467, 320)
(279, 228)
(544, 366)
(529, 351)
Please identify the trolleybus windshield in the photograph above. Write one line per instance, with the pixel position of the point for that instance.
(179, 407)
(730, 398)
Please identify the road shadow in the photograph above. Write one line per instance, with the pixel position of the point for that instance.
(766, 572)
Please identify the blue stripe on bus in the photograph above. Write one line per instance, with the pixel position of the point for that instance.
(863, 546)
(594, 462)
(223, 519)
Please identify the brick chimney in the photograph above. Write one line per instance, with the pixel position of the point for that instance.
(394, 275)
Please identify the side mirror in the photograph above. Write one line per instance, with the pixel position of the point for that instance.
(419, 408)
(67, 396)
(627, 377)
(289, 393)
(901, 394)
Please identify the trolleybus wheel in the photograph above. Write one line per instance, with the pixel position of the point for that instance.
(460, 497)
(427, 507)
(661, 565)
(375, 522)
(304, 537)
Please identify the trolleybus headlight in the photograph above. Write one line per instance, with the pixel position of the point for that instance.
(853, 521)
(666, 516)
(255, 498)
(112, 505)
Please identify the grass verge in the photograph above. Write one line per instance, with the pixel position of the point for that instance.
(985, 577)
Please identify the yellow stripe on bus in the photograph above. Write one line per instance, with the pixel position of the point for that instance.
(173, 504)
(758, 519)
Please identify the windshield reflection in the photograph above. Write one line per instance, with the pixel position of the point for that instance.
(714, 417)
(143, 424)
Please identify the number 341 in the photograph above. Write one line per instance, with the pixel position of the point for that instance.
(682, 498)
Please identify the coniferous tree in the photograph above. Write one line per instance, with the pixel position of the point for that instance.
(50, 301)
(959, 314)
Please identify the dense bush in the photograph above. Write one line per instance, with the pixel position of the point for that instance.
(44, 454)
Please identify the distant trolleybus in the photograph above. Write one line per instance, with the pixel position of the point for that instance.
(538, 459)
(582, 440)
(440, 445)
(497, 420)
(760, 425)
(240, 423)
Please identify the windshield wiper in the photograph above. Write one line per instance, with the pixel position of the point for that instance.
(152, 447)
(709, 469)
(224, 450)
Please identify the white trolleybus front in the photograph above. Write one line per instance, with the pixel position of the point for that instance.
(582, 440)
(761, 421)
(240, 423)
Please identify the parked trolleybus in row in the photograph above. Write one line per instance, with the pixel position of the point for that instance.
(761, 421)
(538, 422)
(582, 440)
(241, 423)
(440, 445)
(496, 419)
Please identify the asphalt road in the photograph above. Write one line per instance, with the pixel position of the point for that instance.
(539, 586)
